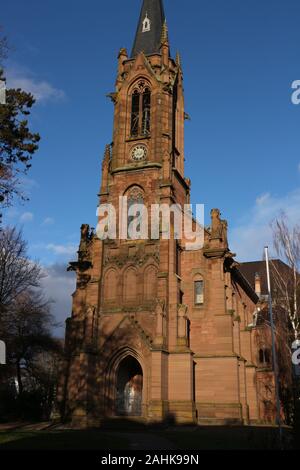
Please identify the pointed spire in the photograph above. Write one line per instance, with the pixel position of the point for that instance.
(150, 28)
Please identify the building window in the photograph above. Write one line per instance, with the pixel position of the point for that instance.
(199, 292)
(140, 110)
(177, 259)
(146, 112)
(146, 24)
(135, 110)
(265, 356)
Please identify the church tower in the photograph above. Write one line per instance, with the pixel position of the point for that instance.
(156, 331)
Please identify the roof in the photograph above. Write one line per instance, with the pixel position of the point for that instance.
(148, 35)
(244, 283)
(249, 270)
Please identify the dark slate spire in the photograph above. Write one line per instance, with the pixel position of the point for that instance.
(150, 27)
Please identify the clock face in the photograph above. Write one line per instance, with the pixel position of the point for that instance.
(139, 153)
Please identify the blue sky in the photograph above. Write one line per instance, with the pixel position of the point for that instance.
(242, 144)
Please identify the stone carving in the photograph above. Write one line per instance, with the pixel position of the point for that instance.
(135, 194)
(90, 324)
(83, 280)
(160, 321)
(84, 257)
(84, 237)
(182, 323)
(219, 227)
(113, 97)
(141, 86)
(138, 258)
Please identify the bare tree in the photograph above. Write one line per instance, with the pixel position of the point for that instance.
(287, 281)
(17, 272)
(26, 328)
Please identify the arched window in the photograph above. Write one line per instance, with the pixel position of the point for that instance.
(140, 110)
(265, 356)
(261, 356)
(198, 290)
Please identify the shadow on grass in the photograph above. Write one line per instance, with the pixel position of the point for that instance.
(118, 434)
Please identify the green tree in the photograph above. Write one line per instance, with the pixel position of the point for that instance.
(17, 143)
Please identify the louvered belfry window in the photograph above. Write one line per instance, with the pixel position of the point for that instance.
(141, 110)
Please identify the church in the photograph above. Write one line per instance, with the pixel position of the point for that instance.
(158, 332)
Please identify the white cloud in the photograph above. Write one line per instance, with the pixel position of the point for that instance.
(62, 249)
(26, 217)
(263, 199)
(58, 285)
(48, 221)
(299, 167)
(41, 89)
(249, 237)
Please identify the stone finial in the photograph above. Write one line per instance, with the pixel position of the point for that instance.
(188, 182)
(84, 236)
(122, 57)
(123, 53)
(178, 60)
(107, 154)
(105, 170)
(165, 34)
(106, 160)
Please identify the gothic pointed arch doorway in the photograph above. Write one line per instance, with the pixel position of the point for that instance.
(129, 388)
